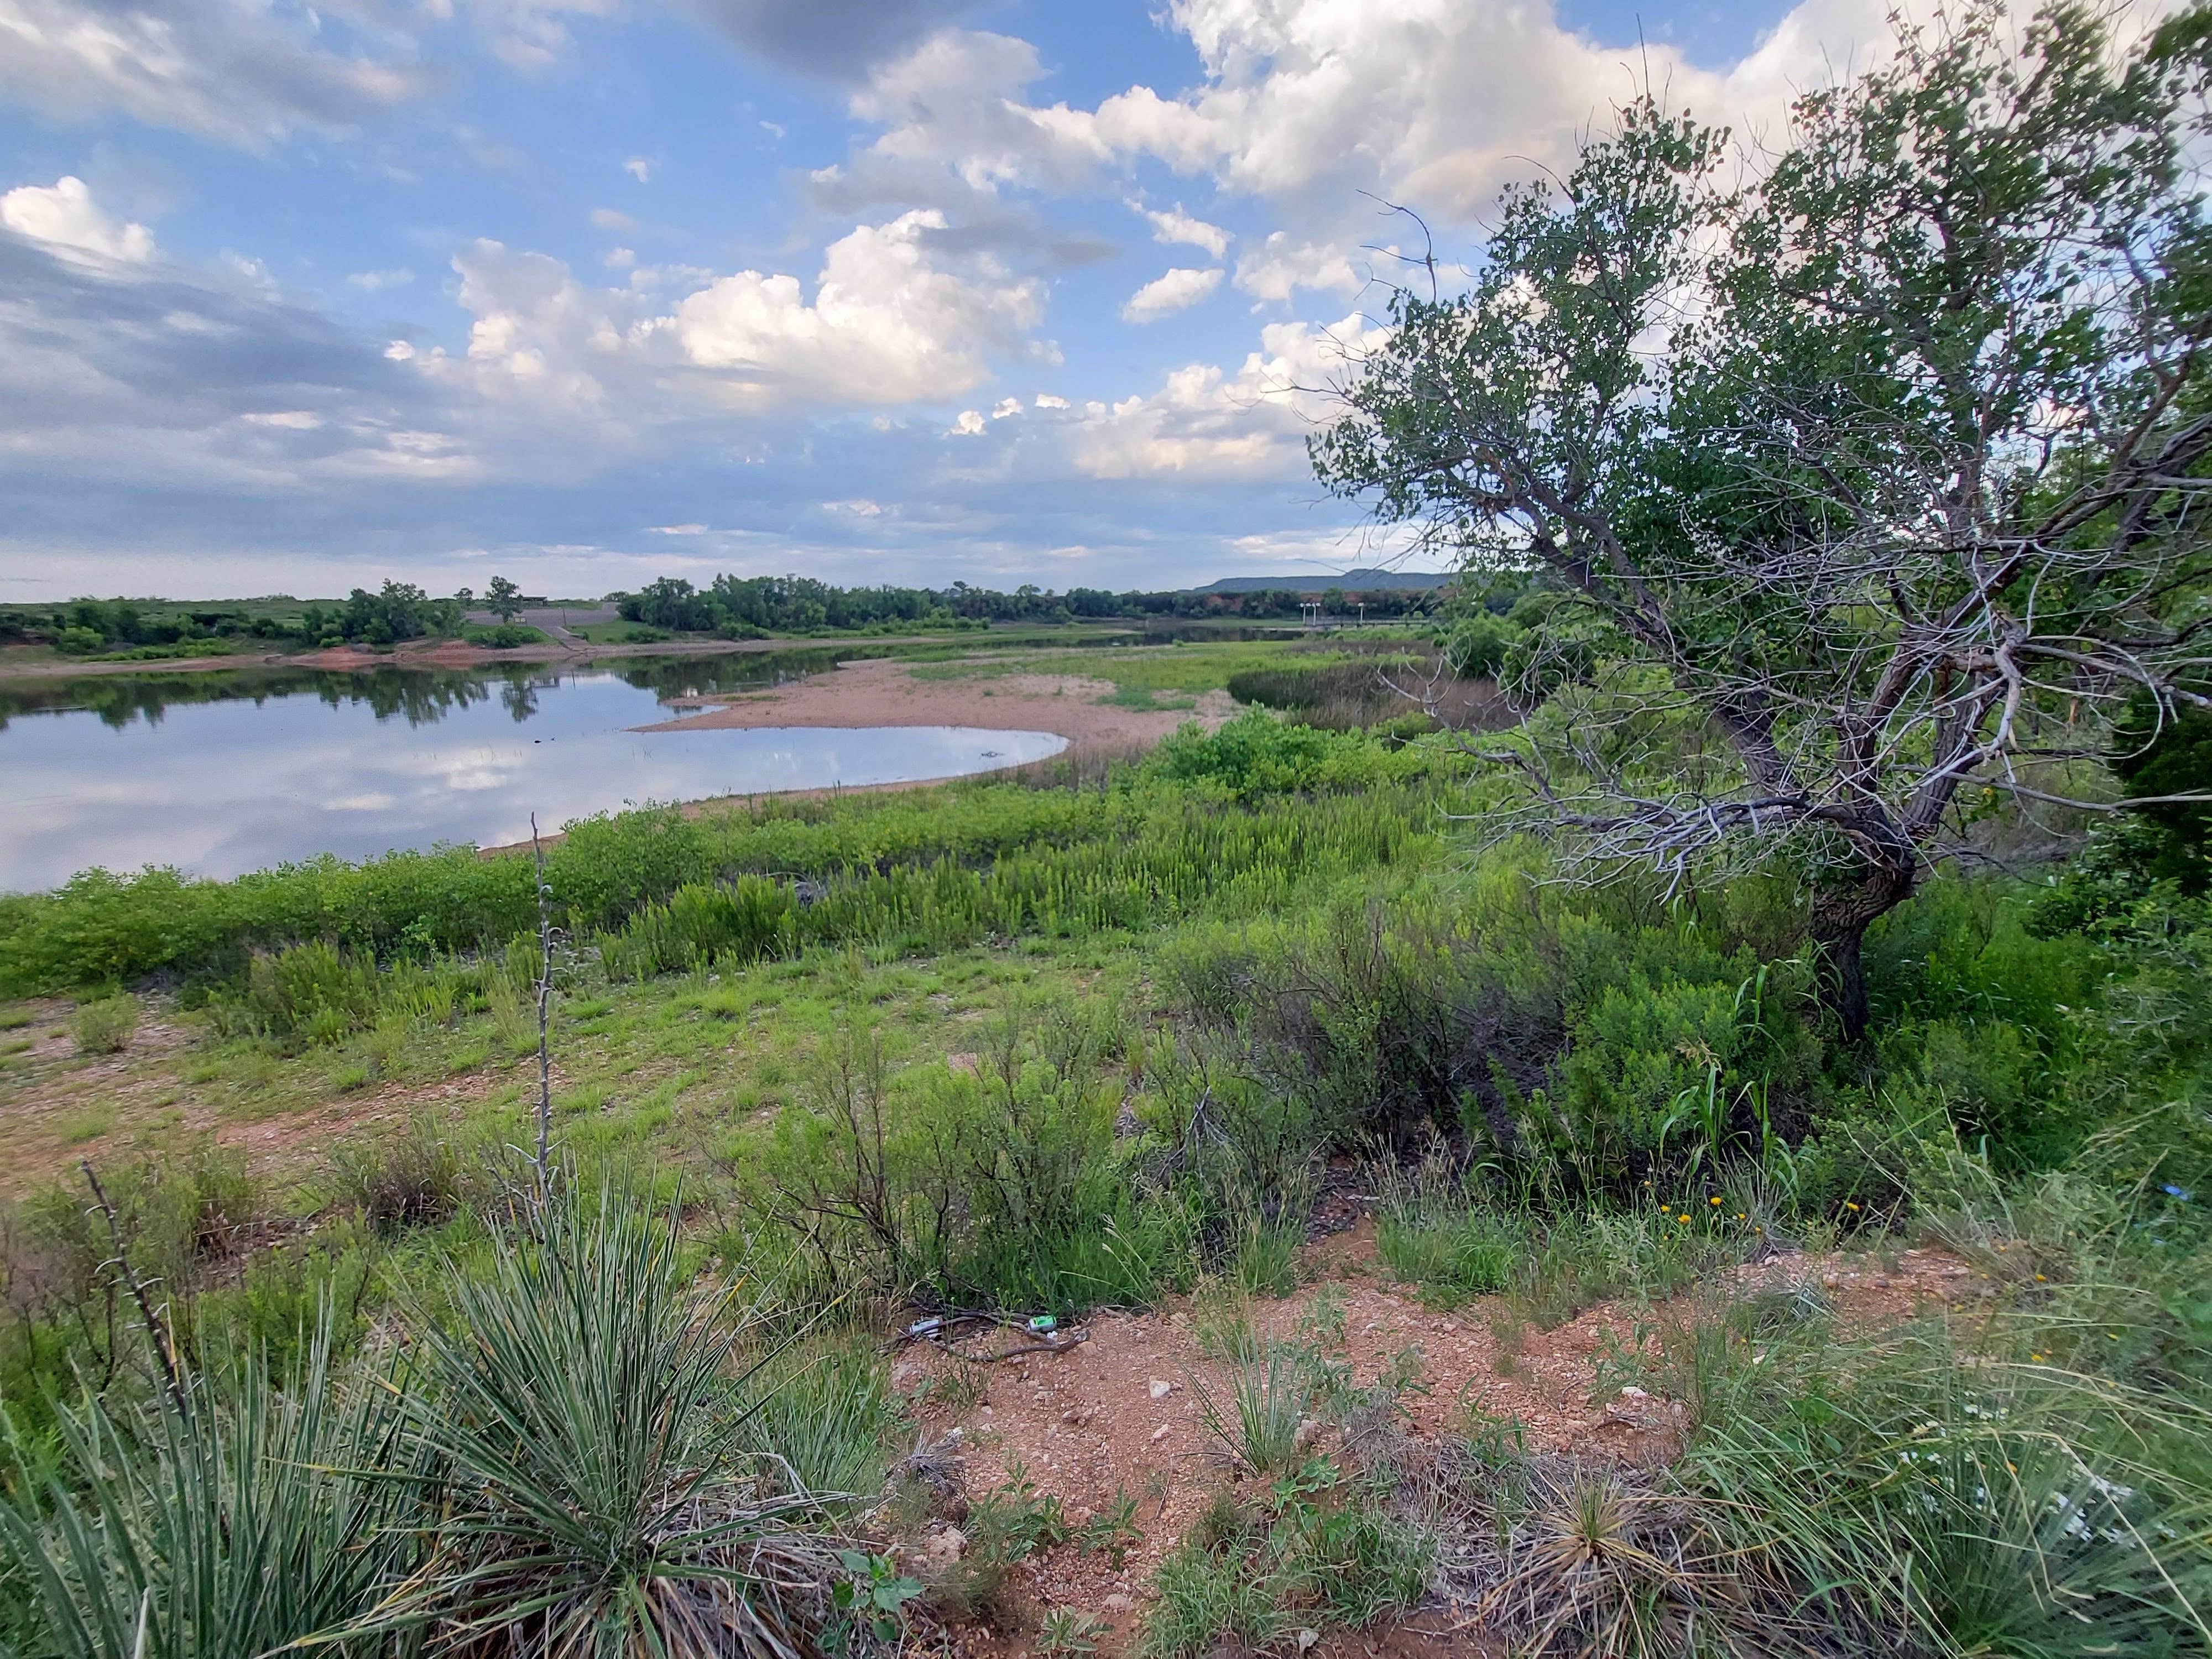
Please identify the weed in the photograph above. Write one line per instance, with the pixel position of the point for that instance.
(1433, 1234)
(419, 1177)
(826, 1416)
(867, 1599)
(1065, 1631)
(1004, 1528)
(1221, 1318)
(1113, 1530)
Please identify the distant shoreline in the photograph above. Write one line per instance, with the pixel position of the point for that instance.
(449, 653)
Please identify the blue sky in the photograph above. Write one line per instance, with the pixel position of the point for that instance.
(293, 298)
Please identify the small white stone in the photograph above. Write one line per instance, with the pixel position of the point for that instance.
(1161, 1389)
(1159, 1434)
(1632, 1392)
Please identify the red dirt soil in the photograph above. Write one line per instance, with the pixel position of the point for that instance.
(1089, 1422)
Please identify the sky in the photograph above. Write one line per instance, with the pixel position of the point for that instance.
(296, 298)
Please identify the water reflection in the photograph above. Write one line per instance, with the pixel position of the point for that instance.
(418, 696)
(222, 774)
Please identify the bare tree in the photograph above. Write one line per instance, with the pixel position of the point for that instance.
(1873, 481)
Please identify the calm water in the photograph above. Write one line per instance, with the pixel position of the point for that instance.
(222, 774)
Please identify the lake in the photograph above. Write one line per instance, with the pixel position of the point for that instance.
(223, 773)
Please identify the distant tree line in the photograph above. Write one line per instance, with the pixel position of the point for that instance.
(740, 605)
(83, 626)
(735, 606)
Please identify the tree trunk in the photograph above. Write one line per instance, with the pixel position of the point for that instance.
(1840, 919)
(1843, 981)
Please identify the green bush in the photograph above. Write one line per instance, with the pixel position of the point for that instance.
(504, 637)
(1255, 755)
(751, 918)
(105, 1026)
(1000, 1185)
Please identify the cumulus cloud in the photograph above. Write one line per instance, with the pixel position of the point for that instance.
(969, 424)
(888, 322)
(63, 218)
(1205, 423)
(1175, 226)
(1306, 103)
(1279, 268)
(640, 168)
(951, 106)
(232, 71)
(1178, 289)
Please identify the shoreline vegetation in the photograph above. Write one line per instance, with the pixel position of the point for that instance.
(1660, 1107)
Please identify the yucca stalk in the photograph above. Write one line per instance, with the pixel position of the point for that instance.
(232, 1520)
(580, 1412)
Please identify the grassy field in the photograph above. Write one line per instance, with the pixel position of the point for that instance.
(1142, 676)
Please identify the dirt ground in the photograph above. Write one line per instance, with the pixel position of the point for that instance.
(1119, 1412)
(884, 692)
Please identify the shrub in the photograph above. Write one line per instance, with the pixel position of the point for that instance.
(419, 1177)
(105, 1026)
(576, 1423)
(751, 918)
(504, 637)
(1255, 755)
(1001, 1184)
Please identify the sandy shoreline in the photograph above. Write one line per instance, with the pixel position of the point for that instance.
(884, 692)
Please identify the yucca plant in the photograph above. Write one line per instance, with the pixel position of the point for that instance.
(582, 1414)
(239, 1516)
(1271, 1388)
